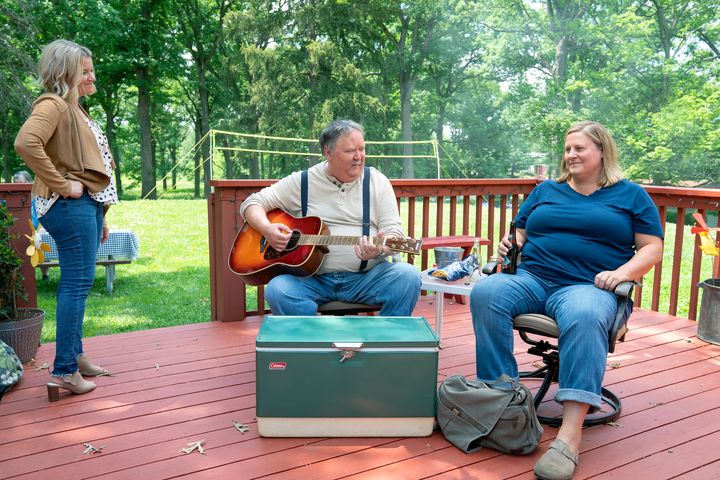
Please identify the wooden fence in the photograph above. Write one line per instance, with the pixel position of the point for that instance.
(468, 207)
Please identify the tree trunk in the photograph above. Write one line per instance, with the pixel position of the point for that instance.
(562, 15)
(198, 136)
(252, 142)
(5, 153)
(142, 74)
(112, 144)
(147, 165)
(666, 42)
(163, 168)
(407, 85)
(173, 163)
(228, 158)
(560, 64)
(440, 124)
(205, 126)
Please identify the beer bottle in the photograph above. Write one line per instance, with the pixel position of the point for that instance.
(510, 262)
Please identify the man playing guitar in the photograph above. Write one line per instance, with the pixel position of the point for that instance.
(338, 192)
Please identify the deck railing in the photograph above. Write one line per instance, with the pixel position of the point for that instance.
(472, 207)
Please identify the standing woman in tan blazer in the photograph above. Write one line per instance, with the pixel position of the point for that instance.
(73, 188)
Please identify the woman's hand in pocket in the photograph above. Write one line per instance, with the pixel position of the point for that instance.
(76, 189)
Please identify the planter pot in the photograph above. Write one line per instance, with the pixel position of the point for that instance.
(709, 323)
(23, 334)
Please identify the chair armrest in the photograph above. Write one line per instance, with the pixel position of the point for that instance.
(623, 289)
(624, 309)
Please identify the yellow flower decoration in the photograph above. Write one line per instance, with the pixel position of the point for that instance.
(36, 248)
(707, 244)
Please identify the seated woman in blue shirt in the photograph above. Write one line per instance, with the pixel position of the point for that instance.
(579, 237)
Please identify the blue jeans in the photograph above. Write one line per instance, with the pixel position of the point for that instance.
(76, 226)
(394, 285)
(584, 313)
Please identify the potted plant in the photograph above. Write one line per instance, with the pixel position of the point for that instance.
(19, 327)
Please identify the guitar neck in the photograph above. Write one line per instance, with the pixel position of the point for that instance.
(336, 240)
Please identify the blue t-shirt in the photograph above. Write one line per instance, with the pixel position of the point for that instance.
(572, 237)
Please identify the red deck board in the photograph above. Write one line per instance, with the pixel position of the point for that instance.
(668, 379)
(710, 470)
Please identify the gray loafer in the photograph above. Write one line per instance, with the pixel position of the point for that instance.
(558, 463)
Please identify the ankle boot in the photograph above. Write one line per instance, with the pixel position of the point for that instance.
(87, 368)
(75, 383)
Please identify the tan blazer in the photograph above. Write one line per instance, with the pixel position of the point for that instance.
(58, 146)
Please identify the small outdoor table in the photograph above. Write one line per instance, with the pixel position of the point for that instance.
(120, 248)
(441, 287)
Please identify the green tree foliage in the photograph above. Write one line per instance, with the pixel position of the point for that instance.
(16, 66)
(496, 82)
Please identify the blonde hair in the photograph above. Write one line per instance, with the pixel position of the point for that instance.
(610, 171)
(60, 68)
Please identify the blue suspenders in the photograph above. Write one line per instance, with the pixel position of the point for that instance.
(366, 203)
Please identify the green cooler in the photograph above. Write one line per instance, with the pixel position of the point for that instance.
(329, 376)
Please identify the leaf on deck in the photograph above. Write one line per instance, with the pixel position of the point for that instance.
(91, 449)
(44, 366)
(240, 427)
(194, 446)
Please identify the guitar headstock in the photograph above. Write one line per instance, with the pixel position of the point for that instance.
(405, 245)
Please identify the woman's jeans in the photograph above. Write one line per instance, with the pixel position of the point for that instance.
(394, 285)
(76, 226)
(584, 314)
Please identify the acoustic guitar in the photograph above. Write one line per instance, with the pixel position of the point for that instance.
(257, 262)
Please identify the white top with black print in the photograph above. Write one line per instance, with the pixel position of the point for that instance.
(107, 196)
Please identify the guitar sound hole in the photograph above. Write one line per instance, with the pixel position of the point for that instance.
(272, 254)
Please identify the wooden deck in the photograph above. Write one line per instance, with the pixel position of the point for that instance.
(182, 384)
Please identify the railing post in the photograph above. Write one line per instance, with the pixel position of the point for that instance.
(18, 200)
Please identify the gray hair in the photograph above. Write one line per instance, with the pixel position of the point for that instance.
(335, 130)
(22, 176)
(60, 67)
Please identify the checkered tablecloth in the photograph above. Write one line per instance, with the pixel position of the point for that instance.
(121, 245)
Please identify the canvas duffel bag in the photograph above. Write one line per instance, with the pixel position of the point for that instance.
(498, 415)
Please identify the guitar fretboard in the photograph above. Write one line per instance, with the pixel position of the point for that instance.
(336, 240)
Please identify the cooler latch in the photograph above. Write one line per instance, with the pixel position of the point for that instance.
(347, 349)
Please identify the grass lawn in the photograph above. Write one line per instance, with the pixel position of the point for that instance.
(169, 284)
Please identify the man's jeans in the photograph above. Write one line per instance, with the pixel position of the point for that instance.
(584, 313)
(76, 226)
(394, 285)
